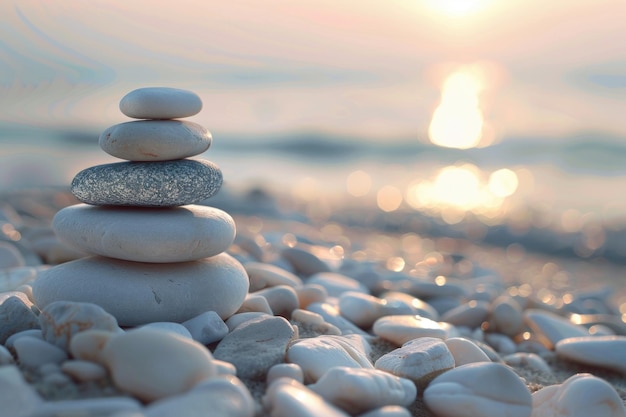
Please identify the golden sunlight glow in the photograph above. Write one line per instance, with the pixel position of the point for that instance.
(389, 198)
(503, 182)
(458, 120)
(358, 183)
(458, 7)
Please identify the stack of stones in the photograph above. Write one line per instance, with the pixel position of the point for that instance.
(158, 254)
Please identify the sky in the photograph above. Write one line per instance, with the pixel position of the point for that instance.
(370, 69)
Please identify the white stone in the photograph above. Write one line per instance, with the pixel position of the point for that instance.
(471, 314)
(156, 235)
(399, 301)
(206, 327)
(93, 407)
(317, 355)
(304, 262)
(217, 397)
(419, 360)
(264, 275)
(465, 351)
(282, 299)
(285, 370)
(237, 319)
(332, 315)
(255, 303)
(478, 389)
(83, 371)
(551, 327)
(61, 320)
(286, 397)
(36, 333)
(89, 345)
(18, 398)
(604, 351)
(131, 359)
(401, 329)
(361, 309)
(169, 326)
(256, 345)
(160, 103)
(155, 140)
(310, 322)
(32, 352)
(311, 293)
(336, 284)
(369, 389)
(138, 293)
(581, 395)
(528, 360)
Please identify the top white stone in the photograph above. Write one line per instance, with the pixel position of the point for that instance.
(160, 103)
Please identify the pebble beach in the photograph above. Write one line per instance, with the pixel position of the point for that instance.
(201, 300)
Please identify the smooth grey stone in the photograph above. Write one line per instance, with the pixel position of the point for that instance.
(169, 326)
(155, 140)
(160, 103)
(18, 398)
(155, 235)
(16, 314)
(206, 328)
(32, 352)
(61, 320)
(138, 293)
(303, 261)
(256, 345)
(92, 407)
(148, 184)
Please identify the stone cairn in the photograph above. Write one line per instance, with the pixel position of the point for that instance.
(158, 254)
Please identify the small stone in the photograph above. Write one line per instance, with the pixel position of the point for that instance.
(224, 368)
(369, 389)
(256, 345)
(528, 360)
(16, 314)
(471, 314)
(479, 389)
(401, 329)
(288, 398)
(501, 343)
(32, 352)
(332, 315)
(361, 309)
(312, 324)
(160, 103)
(238, 319)
(317, 355)
(139, 293)
(419, 360)
(131, 356)
(422, 288)
(206, 328)
(61, 320)
(604, 351)
(155, 140)
(551, 327)
(465, 351)
(18, 398)
(336, 284)
(311, 293)
(155, 235)
(89, 345)
(282, 299)
(223, 396)
(506, 316)
(255, 303)
(169, 326)
(83, 371)
(285, 370)
(402, 303)
(581, 395)
(303, 261)
(148, 184)
(264, 275)
(95, 407)
(10, 256)
(36, 333)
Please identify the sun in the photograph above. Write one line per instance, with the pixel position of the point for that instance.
(458, 7)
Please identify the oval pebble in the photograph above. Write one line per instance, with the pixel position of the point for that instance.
(206, 327)
(148, 184)
(369, 389)
(551, 327)
(285, 370)
(88, 345)
(401, 329)
(419, 360)
(336, 284)
(361, 309)
(155, 140)
(139, 293)
(88, 407)
(130, 357)
(160, 103)
(581, 395)
(465, 351)
(32, 352)
(169, 326)
(155, 235)
(83, 371)
(479, 389)
(264, 275)
(288, 398)
(604, 351)
(62, 320)
(16, 314)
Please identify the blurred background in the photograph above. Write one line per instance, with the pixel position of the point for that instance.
(502, 120)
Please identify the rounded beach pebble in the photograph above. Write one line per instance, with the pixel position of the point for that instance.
(479, 389)
(160, 103)
(138, 293)
(182, 363)
(148, 184)
(155, 140)
(156, 235)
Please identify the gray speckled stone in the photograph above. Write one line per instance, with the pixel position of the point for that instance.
(148, 184)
